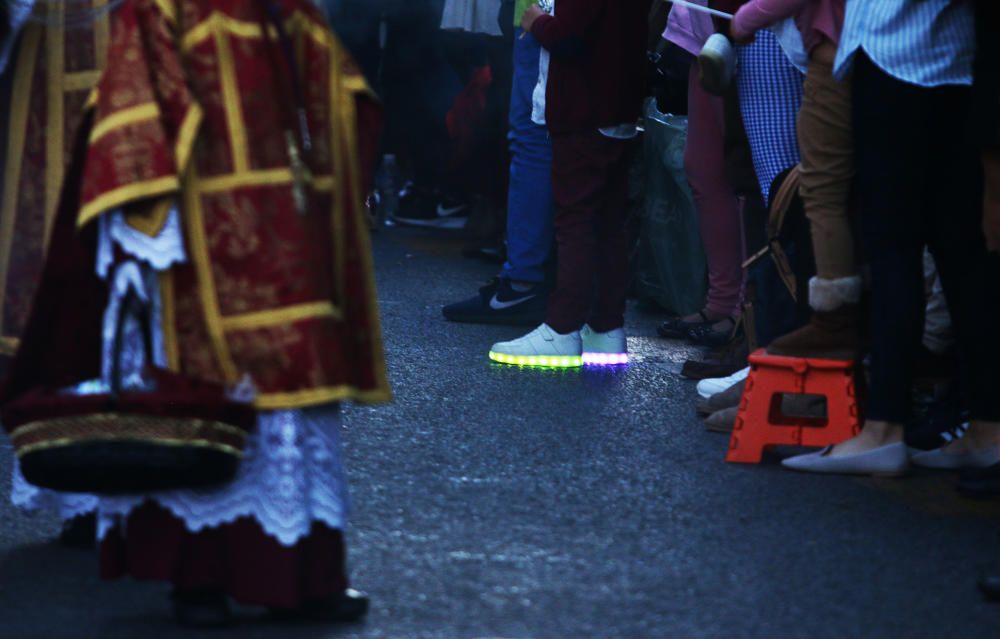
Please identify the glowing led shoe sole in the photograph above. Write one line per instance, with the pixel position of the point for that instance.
(542, 347)
(604, 349)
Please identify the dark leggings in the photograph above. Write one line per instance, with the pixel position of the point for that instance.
(920, 183)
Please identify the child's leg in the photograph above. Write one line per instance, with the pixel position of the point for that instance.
(608, 312)
(827, 169)
(716, 203)
(582, 174)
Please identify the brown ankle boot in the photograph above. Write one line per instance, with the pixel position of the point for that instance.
(833, 332)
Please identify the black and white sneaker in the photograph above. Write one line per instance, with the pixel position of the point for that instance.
(499, 303)
(430, 209)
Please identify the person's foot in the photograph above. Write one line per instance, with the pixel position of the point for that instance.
(717, 64)
(877, 450)
(541, 347)
(828, 335)
(427, 208)
(680, 327)
(501, 302)
(729, 398)
(201, 608)
(604, 349)
(722, 421)
(713, 386)
(348, 606)
(957, 455)
(716, 334)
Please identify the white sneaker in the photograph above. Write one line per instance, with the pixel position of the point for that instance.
(714, 386)
(541, 347)
(604, 349)
(717, 64)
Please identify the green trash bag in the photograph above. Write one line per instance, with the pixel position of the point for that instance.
(668, 260)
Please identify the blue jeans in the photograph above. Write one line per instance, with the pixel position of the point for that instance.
(530, 206)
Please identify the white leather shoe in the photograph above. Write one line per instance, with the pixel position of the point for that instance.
(890, 460)
(714, 386)
(541, 347)
(604, 349)
(940, 460)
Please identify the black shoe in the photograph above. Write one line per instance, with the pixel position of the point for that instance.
(427, 208)
(708, 335)
(499, 303)
(981, 482)
(990, 587)
(201, 608)
(344, 607)
(677, 328)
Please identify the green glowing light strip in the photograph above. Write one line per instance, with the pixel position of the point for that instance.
(551, 361)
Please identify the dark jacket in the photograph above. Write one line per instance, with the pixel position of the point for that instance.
(985, 120)
(597, 73)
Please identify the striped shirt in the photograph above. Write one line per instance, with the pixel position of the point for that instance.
(924, 42)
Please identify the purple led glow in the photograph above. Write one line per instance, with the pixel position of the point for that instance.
(605, 359)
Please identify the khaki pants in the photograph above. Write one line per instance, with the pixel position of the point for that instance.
(827, 148)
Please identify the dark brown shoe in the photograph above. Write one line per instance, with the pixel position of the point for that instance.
(828, 335)
(729, 398)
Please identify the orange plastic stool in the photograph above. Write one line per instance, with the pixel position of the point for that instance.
(761, 424)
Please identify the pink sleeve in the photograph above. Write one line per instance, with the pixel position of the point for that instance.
(758, 14)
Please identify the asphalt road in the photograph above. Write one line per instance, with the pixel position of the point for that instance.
(497, 502)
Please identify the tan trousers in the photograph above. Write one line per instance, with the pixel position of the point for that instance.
(827, 148)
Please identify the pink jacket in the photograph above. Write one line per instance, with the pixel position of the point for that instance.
(818, 20)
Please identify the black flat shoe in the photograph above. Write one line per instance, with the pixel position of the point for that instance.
(708, 335)
(990, 587)
(344, 607)
(201, 608)
(677, 328)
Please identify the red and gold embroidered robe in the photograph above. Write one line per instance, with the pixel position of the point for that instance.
(188, 112)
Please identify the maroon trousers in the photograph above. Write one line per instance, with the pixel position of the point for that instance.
(239, 558)
(589, 183)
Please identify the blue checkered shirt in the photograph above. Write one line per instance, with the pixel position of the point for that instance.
(924, 42)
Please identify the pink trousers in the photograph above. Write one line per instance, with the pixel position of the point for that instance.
(718, 207)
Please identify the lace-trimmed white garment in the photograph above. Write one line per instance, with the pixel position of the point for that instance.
(32, 498)
(291, 474)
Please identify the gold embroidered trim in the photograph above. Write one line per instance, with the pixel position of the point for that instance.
(168, 10)
(186, 137)
(55, 131)
(61, 443)
(231, 103)
(277, 316)
(169, 320)
(123, 118)
(17, 131)
(150, 221)
(198, 243)
(298, 22)
(322, 395)
(125, 194)
(9, 345)
(81, 80)
(250, 179)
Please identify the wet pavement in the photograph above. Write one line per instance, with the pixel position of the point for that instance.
(493, 502)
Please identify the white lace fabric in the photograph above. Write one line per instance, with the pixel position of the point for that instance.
(30, 498)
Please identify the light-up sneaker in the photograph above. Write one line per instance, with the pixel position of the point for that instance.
(541, 347)
(604, 349)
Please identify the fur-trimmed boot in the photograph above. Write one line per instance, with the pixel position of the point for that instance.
(833, 332)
